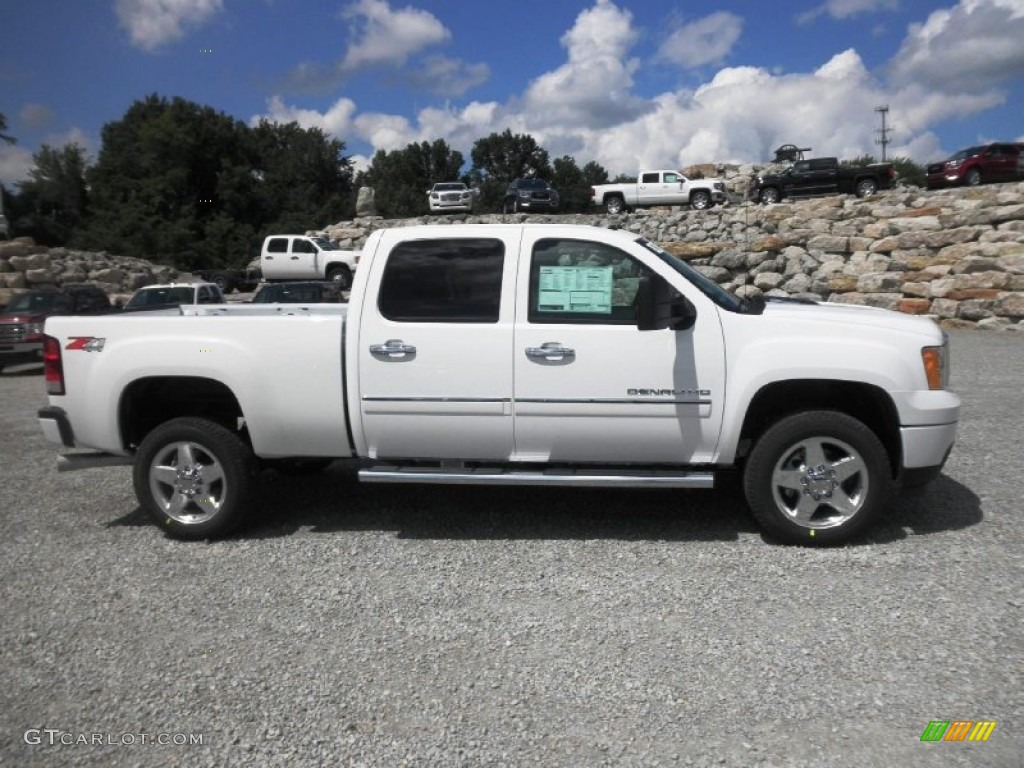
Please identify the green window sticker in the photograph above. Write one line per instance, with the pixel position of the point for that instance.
(575, 289)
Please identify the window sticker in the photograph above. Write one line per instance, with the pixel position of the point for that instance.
(575, 289)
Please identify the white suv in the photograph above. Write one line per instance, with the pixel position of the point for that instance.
(450, 196)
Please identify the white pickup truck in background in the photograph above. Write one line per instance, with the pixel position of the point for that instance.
(659, 188)
(513, 354)
(302, 257)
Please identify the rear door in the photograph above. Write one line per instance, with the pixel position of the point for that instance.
(435, 348)
(589, 386)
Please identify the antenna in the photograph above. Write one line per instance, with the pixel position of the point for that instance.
(884, 131)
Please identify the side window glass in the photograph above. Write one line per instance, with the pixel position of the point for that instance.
(671, 178)
(649, 178)
(303, 246)
(583, 282)
(443, 281)
(278, 245)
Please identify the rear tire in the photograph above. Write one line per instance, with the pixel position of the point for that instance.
(866, 187)
(195, 478)
(615, 205)
(817, 478)
(225, 283)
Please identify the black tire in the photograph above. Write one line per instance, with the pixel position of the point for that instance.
(195, 478)
(515, 205)
(700, 200)
(846, 487)
(866, 187)
(770, 195)
(973, 177)
(504, 206)
(340, 275)
(225, 283)
(614, 205)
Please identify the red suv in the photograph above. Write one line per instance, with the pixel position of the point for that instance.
(973, 166)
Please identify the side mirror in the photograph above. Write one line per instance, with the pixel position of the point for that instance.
(659, 305)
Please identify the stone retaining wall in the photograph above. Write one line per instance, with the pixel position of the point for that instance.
(956, 255)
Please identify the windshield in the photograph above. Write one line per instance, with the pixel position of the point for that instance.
(963, 154)
(532, 184)
(38, 302)
(325, 244)
(449, 187)
(154, 297)
(705, 285)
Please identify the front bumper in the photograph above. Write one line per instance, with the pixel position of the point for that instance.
(21, 352)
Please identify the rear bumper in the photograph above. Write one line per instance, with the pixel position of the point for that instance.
(53, 421)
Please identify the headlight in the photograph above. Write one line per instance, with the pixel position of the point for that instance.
(936, 365)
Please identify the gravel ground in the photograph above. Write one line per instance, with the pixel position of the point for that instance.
(384, 626)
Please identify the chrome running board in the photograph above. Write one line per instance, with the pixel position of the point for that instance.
(581, 478)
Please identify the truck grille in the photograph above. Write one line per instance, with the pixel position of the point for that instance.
(451, 197)
(11, 332)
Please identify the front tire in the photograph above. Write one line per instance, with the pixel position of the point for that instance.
(770, 195)
(340, 276)
(973, 177)
(700, 200)
(195, 478)
(817, 478)
(225, 283)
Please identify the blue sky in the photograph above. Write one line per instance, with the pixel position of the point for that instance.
(629, 83)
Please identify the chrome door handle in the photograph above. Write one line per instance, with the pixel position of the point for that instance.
(551, 350)
(393, 348)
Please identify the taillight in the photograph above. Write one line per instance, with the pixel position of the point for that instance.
(53, 366)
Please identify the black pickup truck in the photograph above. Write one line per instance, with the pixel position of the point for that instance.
(821, 176)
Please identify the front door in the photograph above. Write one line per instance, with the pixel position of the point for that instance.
(435, 365)
(589, 386)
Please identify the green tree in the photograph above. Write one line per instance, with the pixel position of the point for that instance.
(4, 137)
(52, 202)
(179, 182)
(401, 178)
(573, 183)
(502, 157)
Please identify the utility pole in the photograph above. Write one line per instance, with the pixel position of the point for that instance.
(883, 132)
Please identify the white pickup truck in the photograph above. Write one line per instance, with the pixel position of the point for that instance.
(659, 188)
(302, 257)
(513, 354)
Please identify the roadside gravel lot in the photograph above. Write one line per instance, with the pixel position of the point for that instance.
(385, 626)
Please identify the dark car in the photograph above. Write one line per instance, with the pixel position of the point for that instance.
(312, 292)
(530, 195)
(21, 323)
(976, 165)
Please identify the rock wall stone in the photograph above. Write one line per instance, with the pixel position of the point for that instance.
(26, 266)
(955, 255)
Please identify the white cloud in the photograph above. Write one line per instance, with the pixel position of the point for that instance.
(385, 36)
(843, 9)
(448, 77)
(587, 106)
(36, 115)
(593, 87)
(15, 163)
(976, 45)
(154, 23)
(704, 41)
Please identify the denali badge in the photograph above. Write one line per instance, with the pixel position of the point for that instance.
(667, 392)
